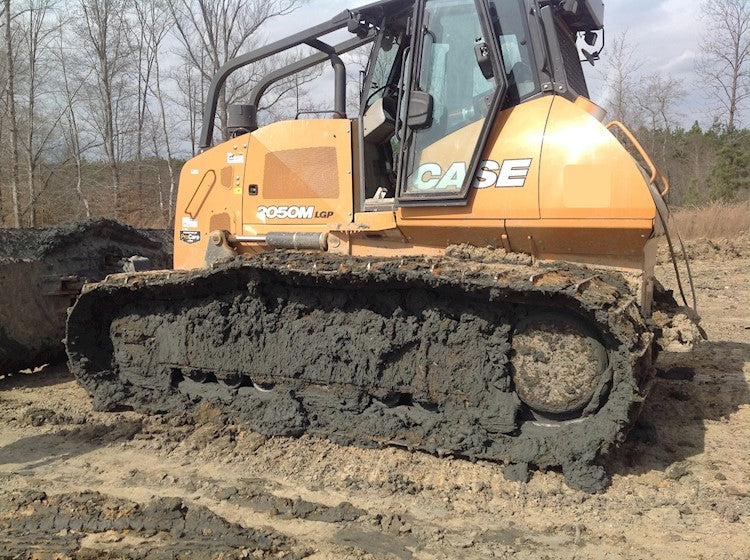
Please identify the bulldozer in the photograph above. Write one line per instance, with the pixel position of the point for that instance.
(465, 267)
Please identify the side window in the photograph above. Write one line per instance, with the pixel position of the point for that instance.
(515, 47)
(382, 67)
(461, 98)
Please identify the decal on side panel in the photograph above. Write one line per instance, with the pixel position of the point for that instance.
(189, 223)
(190, 237)
(290, 213)
(511, 173)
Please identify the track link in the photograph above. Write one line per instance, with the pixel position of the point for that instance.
(413, 352)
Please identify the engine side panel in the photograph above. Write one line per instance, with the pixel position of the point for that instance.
(303, 173)
(290, 176)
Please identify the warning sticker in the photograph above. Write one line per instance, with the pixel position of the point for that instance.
(189, 223)
(190, 237)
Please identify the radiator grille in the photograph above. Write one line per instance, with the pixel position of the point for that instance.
(572, 61)
(301, 173)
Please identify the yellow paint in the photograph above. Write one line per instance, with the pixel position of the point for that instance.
(298, 142)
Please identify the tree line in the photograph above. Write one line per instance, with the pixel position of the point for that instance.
(703, 164)
(101, 101)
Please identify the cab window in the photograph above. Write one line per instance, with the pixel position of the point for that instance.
(515, 47)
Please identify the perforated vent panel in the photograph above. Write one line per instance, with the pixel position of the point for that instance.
(572, 61)
(301, 173)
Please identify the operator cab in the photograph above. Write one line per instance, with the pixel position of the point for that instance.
(425, 119)
(439, 74)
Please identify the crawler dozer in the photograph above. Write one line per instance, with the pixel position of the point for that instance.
(465, 267)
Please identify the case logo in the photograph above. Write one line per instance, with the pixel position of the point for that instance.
(511, 173)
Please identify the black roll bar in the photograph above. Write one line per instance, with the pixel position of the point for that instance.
(220, 78)
(339, 71)
(308, 37)
(304, 64)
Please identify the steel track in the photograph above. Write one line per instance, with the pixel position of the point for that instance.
(413, 352)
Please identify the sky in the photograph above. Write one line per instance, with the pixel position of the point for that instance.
(665, 36)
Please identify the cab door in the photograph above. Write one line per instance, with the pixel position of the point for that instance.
(456, 85)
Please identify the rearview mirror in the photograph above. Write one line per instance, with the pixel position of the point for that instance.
(420, 110)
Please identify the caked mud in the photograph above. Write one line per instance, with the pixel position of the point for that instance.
(93, 525)
(680, 488)
(414, 352)
(43, 270)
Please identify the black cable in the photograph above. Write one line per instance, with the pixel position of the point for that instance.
(674, 263)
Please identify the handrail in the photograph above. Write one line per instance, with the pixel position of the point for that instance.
(655, 173)
(312, 60)
(309, 37)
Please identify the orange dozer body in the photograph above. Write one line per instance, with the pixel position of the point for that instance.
(525, 164)
(465, 267)
(572, 192)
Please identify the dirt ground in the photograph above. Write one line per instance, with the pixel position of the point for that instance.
(75, 483)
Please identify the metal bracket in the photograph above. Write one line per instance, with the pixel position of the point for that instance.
(557, 87)
(218, 248)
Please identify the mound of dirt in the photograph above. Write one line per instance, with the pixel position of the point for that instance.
(708, 249)
(38, 243)
(42, 271)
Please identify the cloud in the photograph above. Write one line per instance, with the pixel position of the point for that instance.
(664, 35)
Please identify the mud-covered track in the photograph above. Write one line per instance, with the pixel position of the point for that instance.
(413, 352)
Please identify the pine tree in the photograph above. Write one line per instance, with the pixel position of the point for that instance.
(730, 177)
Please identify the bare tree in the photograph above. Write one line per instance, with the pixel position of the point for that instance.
(11, 109)
(725, 61)
(620, 74)
(105, 30)
(658, 98)
(215, 31)
(72, 131)
(147, 52)
(190, 95)
(38, 130)
(2, 79)
(156, 24)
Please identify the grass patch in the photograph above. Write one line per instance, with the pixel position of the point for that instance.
(718, 220)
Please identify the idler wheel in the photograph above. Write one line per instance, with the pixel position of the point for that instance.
(557, 363)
